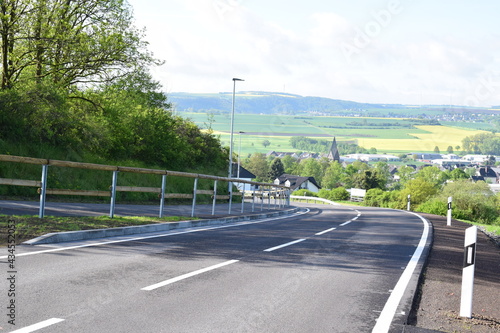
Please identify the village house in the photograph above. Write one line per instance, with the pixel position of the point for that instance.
(296, 182)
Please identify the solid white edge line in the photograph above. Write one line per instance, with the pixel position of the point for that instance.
(156, 236)
(384, 321)
(188, 275)
(40, 325)
(345, 223)
(324, 231)
(284, 245)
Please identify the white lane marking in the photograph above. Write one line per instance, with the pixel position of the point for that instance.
(345, 223)
(385, 319)
(40, 325)
(325, 231)
(284, 245)
(156, 236)
(188, 275)
(354, 219)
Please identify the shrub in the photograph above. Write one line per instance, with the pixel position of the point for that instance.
(434, 206)
(304, 192)
(339, 193)
(373, 197)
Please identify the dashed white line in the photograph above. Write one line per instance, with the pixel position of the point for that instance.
(325, 231)
(345, 223)
(188, 275)
(40, 325)
(284, 245)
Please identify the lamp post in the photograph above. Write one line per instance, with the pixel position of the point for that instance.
(230, 173)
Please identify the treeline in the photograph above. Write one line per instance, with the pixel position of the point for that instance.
(301, 143)
(428, 187)
(483, 143)
(74, 75)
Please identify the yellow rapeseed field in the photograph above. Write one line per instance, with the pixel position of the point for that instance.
(440, 136)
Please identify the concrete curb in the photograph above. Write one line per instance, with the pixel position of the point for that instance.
(68, 236)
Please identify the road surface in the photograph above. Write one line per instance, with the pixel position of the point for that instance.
(327, 269)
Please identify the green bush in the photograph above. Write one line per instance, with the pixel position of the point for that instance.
(434, 206)
(337, 194)
(373, 197)
(304, 192)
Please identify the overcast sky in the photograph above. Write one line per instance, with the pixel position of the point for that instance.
(381, 51)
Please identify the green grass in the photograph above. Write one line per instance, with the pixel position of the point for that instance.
(29, 227)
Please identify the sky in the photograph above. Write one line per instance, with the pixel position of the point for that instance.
(413, 52)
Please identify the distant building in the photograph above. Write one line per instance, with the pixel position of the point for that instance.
(298, 182)
(373, 157)
(333, 154)
(489, 175)
(427, 156)
(245, 175)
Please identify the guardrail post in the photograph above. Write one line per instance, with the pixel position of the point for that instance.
(43, 190)
(261, 198)
(275, 190)
(253, 199)
(243, 199)
(269, 188)
(194, 196)
(162, 194)
(215, 197)
(113, 194)
(230, 196)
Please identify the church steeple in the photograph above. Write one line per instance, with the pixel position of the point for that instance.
(333, 154)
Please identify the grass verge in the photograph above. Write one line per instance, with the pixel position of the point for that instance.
(29, 227)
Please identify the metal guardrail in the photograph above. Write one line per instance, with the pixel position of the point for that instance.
(280, 193)
(314, 199)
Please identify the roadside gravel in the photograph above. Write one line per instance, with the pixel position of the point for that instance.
(438, 306)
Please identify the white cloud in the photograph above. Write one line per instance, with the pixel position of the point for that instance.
(419, 54)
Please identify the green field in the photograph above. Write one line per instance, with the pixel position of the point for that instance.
(387, 135)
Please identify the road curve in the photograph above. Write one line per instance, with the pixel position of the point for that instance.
(329, 269)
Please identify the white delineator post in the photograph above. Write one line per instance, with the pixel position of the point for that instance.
(409, 203)
(468, 272)
(448, 219)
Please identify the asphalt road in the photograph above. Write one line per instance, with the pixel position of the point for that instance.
(331, 269)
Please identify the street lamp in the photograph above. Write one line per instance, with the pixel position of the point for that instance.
(230, 173)
(232, 130)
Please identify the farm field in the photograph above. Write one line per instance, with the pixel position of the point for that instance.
(387, 135)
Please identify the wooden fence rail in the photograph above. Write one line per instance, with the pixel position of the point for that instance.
(280, 193)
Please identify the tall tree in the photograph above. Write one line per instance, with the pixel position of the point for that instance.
(276, 169)
(257, 164)
(69, 41)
